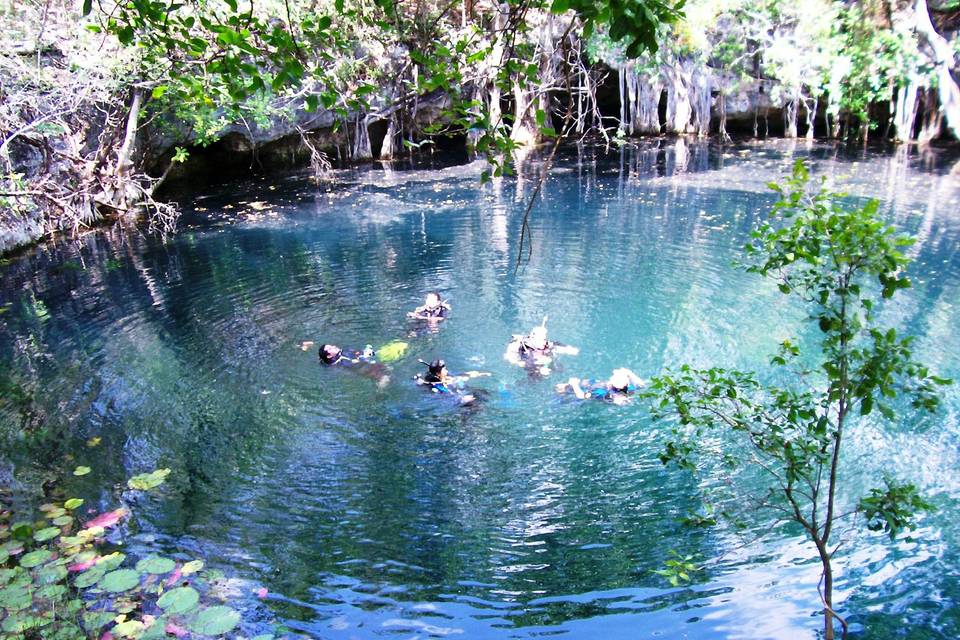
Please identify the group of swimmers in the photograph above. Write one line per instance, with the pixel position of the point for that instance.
(533, 351)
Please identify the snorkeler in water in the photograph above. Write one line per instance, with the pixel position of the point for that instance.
(618, 389)
(365, 361)
(535, 352)
(433, 309)
(440, 380)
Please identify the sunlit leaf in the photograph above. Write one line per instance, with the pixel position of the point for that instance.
(215, 621)
(156, 565)
(179, 600)
(35, 558)
(119, 580)
(81, 471)
(147, 481)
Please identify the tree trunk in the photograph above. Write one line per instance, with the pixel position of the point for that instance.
(828, 632)
(790, 109)
(678, 98)
(389, 148)
(811, 117)
(905, 112)
(943, 60)
(700, 101)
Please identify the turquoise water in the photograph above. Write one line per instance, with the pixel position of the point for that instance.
(373, 511)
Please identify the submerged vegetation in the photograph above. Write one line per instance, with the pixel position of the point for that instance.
(62, 578)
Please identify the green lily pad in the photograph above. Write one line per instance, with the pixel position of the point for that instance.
(35, 558)
(128, 629)
(191, 567)
(147, 481)
(15, 598)
(81, 471)
(18, 623)
(51, 574)
(73, 503)
(112, 561)
(89, 577)
(93, 620)
(179, 600)
(215, 621)
(156, 565)
(62, 521)
(46, 534)
(4, 556)
(119, 580)
(52, 592)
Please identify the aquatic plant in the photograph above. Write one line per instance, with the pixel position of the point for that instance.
(839, 260)
(60, 580)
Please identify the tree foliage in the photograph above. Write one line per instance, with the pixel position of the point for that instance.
(840, 261)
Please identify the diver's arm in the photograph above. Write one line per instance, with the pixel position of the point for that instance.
(570, 350)
(576, 388)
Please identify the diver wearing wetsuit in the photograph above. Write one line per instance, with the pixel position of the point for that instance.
(618, 389)
(433, 308)
(440, 380)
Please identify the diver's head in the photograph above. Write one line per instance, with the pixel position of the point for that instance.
(329, 353)
(619, 380)
(433, 300)
(537, 338)
(436, 370)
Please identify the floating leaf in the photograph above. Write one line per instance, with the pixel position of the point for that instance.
(18, 623)
(179, 600)
(156, 565)
(112, 561)
(128, 629)
(35, 558)
(73, 503)
(147, 481)
(119, 580)
(92, 442)
(81, 471)
(215, 621)
(191, 567)
(15, 598)
(89, 578)
(52, 592)
(51, 574)
(62, 521)
(93, 620)
(46, 534)
(107, 519)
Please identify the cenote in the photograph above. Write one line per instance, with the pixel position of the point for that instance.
(371, 511)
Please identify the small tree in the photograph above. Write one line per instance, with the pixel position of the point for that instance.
(838, 259)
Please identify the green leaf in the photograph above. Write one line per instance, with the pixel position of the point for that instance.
(89, 577)
(14, 598)
(35, 558)
(93, 620)
(119, 580)
(215, 621)
(147, 481)
(560, 6)
(46, 534)
(179, 600)
(158, 91)
(81, 471)
(128, 629)
(156, 565)
(191, 567)
(87, 7)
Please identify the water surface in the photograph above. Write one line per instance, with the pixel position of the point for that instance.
(384, 512)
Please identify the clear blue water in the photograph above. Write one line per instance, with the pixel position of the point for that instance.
(385, 512)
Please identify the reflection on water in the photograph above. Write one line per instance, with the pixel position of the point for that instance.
(376, 512)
